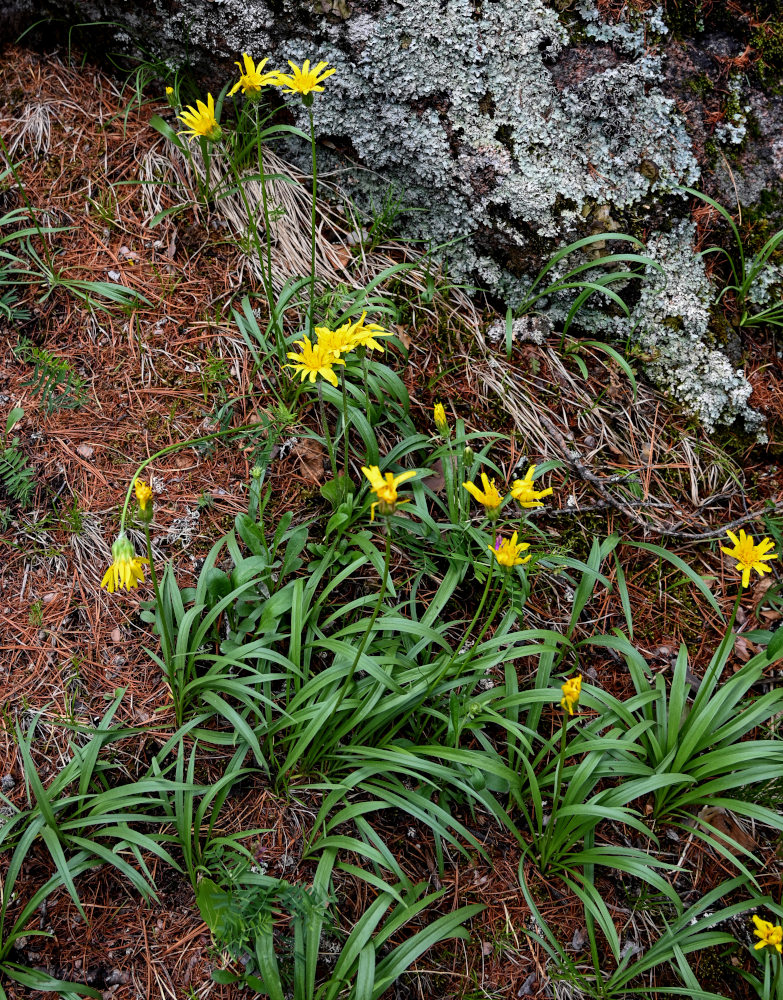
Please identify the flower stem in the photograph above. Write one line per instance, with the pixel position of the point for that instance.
(268, 231)
(165, 635)
(544, 855)
(345, 428)
(312, 221)
(327, 435)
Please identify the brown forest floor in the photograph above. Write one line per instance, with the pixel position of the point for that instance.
(66, 646)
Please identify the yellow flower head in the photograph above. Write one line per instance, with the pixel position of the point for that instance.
(571, 691)
(507, 551)
(126, 569)
(335, 342)
(169, 90)
(200, 121)
(364, 334)
(771, 935)
(749, 555)
(385, 488)
(439, 415)
(314, 360)
(252, 78)
(305, 80)
(490, 498)
(525, 493)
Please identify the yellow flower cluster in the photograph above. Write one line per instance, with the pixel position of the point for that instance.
(507, 552)
(200, 122)
(319, 358)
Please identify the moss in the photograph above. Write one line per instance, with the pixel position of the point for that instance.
(701, 85)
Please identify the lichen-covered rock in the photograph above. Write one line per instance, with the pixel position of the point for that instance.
(671, 323)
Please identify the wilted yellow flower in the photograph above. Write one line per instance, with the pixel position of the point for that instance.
(252, 79)
(126, 569)
(364, 334)
(305, 80)
(489, 498)
(439, 415)
(385, 488)
(313, 361)
(507, 551)
(749, 555)
(335, 342)
(525, 493)
(201, 122)
(571, 691)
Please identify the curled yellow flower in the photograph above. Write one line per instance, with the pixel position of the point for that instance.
(314, 360)
(143, 494)
(771, 935)
(385, 488)
(571, 691)
(305, 80)
(507, 551)
(200, 121)
(749, 555)
(127, 569)
(364, 334)
(525, 493)
(252, 78)
(489, 498)
(439, 416)
(336, 342)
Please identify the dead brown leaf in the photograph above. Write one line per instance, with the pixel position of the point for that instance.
(311, 456)
(723, 821)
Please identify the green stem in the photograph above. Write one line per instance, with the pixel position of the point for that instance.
(173, 447)
(345, 428)
(165, 634)
(362, 351)
(251, 220)
(268, 230)
(373, 619)
(312, 223)
(556, 795)
(327, 435)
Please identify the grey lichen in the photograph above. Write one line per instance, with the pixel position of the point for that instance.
(464, 108)
(671, 323)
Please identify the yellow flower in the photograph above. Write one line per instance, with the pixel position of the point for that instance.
(749, 555)
(201, 121)
(313, 361)
(507, 551)
(143, 494)
(571, 691)
(364, 334)
(305, 80)
(771, 935)
(525, 493)
(335, 342)
(439, 415)
(126, 569)
(253, 79)
(169, 90)
(385, 488)
(490, 498)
